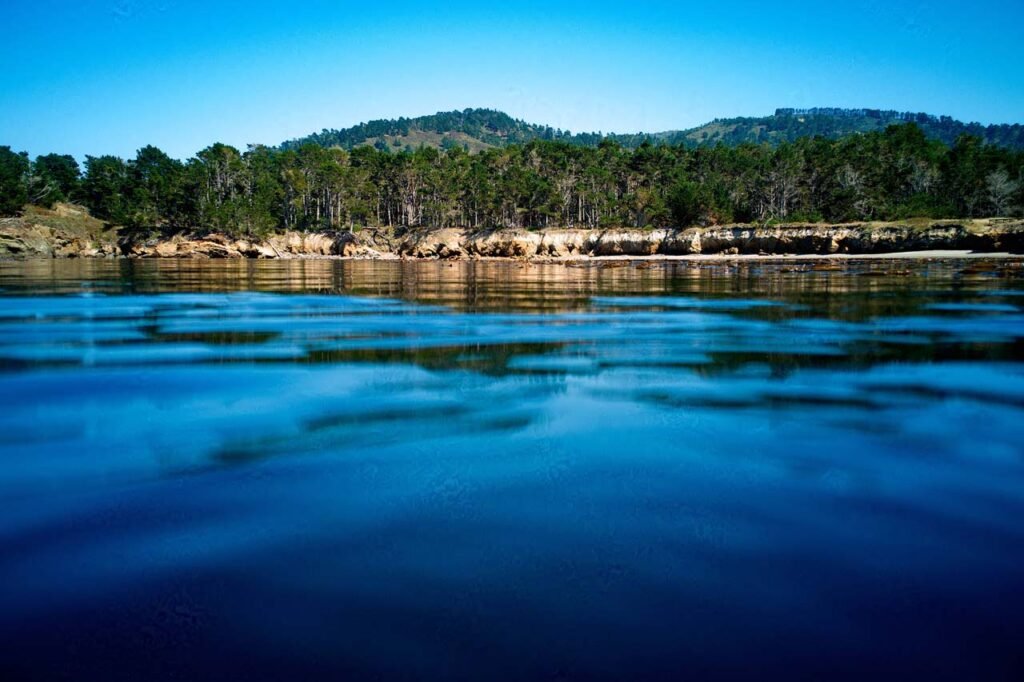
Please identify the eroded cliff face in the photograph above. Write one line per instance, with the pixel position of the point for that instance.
(363, 244)
(19, 238)
(732, 240)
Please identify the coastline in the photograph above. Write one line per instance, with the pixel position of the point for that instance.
(719, 257)
(69, 233)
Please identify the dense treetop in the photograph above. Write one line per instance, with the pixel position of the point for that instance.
(891, 174)
(788, 125)
(476, 129)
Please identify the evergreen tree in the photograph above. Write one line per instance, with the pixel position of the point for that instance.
(14, 169)
(895, 173)
(104, 188)
(55, 177)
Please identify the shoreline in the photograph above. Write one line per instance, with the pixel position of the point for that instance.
(934, 254)
(575, 261)
(70, 234)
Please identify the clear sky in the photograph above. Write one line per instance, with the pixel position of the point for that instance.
(110, 76)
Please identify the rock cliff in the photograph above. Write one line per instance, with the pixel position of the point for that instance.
(23, 238)
(988, 236)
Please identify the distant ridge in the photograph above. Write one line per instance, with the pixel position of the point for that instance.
(786, 125)
(478, 129)
(474, 129)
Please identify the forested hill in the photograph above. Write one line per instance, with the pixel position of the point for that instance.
(478, 129)
(472, 129)
(787, 125)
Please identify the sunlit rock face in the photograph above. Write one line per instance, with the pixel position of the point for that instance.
(314, 243)
(443, 243)
(741, 239)
(512, 243)
(682, 242)
(563, 243)
(285, 245)
(629, 242)
(19, 238)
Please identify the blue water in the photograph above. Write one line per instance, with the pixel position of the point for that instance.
(485, 471)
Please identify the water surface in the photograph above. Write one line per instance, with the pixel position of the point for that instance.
(628, 470)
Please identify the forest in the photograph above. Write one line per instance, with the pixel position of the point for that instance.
(787, 125)
(490, 128)
(894, 174)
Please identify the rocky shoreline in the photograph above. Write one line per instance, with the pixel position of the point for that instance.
(22, 239)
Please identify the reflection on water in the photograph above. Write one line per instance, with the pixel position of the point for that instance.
(627, 470)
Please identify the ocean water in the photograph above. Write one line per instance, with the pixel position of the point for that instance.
(488, 471)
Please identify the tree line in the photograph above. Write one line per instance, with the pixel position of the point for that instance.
(787, 125)
(894, 174)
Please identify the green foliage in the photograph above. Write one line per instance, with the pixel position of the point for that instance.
(489, 128)
(54, 177)
(104, 188)
(896, 173)
(789, 125)
(154, 189)
(14, 169)
(687, 203)
(492, 128)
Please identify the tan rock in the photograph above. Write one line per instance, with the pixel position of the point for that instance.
(682, 242)
(166, 249)
(514, 243)
(629, 242)
(442, 243)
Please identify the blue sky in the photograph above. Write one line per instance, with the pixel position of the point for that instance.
(110, 76)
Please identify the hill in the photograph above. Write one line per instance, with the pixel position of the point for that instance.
(478, 129)
(473, 129)
(786, 125)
